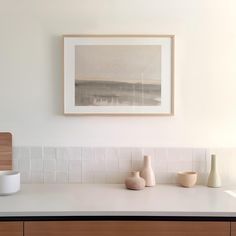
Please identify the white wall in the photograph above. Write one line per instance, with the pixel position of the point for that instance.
(31, 81)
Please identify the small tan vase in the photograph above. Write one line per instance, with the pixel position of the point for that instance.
(147, 173)
(135, 182)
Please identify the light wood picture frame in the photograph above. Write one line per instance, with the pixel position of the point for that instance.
(118, 74)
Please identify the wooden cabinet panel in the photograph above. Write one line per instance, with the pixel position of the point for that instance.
(126, 228)
(233, 229)
(11, 228)
(194, 228)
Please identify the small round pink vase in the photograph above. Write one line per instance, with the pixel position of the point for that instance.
(135, 182)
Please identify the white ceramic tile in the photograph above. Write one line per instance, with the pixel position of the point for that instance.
(21, 152)
(87, 153)
(69, 153)
(180, 154)
(137, 165)
(62, 165)
(36, 152)
(75, 175)
(125, 153)
(36, 164)
(155, 161)
(15, 165)
(161, 154)
(62, 153)
(37, 177)
(208, 160)
(112, 153)
(121, 176)
(202, 178)
(75, 171)
(163, 177)
(113, 177)
(125, 159)
(23, 155)
(172, 154)
(49, 153)
(99, 161)
(15, 151)
(161, 166)
(179, 166)
(99, 177)
(75, 153)
(137, 154)
(62, 177)
(112, 165)
(100, 153)
(199, 154)
(24, 163)
(199, 166)
(88, 166)
(225, 161)
(49, 177)
(112, 159)
(172, 177)
(75, 166)
(49, 165)
(25, 177)
(137, 159)
(99, 165)
(125, 165)
(88, 177)
(186, 154)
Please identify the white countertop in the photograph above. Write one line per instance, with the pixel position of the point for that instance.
(115, 200)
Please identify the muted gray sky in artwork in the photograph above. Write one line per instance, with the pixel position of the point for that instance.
(118, 62)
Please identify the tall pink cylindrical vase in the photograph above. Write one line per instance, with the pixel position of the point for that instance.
(147, 172)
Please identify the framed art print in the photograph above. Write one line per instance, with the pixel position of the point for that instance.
(120, 74)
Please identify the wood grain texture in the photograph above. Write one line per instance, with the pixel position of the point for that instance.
(11, 228)
(233, 228)
(5, 151)
(126, 228)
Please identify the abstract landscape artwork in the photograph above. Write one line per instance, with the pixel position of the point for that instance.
(118, 75)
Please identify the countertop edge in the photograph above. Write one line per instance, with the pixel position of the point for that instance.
(128, 214)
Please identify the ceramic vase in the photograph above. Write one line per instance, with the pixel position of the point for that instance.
(135, 182)
(147, 172)
(214, 180)
(187, 179)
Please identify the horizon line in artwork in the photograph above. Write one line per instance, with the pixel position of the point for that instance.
(133, 81)
(117, 93)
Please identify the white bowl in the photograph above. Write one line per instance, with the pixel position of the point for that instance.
(9, 182)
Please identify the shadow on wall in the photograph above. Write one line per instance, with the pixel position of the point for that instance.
(56, 76)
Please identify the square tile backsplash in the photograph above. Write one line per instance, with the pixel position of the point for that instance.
(113, 165)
